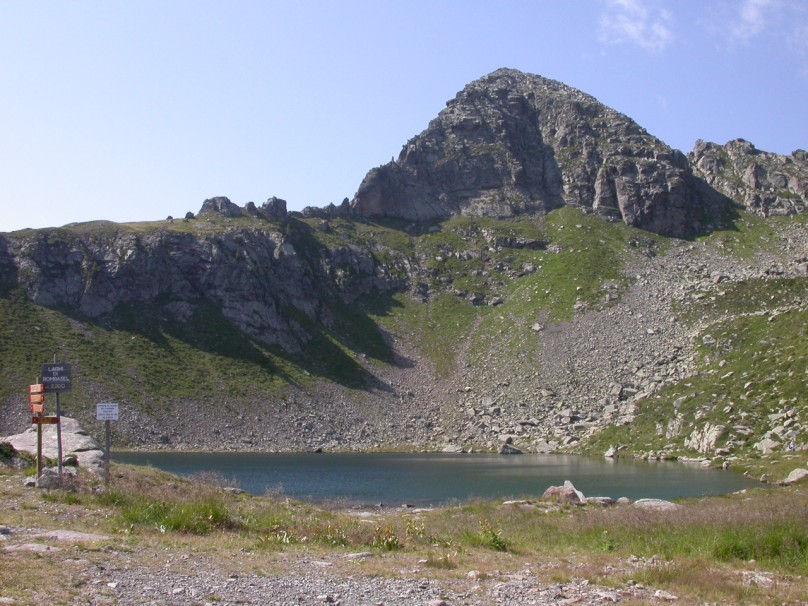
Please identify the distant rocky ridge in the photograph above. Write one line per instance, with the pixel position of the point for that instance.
(254, 276)
(764, 183)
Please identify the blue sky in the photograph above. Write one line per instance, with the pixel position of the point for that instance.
(132, 111)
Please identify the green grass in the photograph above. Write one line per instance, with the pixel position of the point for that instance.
(747, 236)
(440, 326)
(751, 365)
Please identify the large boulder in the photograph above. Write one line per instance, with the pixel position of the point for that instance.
(795, 476)
(566, 494)
(222, 206)
(656, 505)
(75, 442)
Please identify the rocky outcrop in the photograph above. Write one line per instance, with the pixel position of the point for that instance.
(764, 183)
(254, 276)
(513, 143)
(274, 209)
(76, 444)
(220, 205)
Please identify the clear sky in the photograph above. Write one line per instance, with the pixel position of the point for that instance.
(135, 110)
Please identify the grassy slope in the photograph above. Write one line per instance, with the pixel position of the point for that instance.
(753, 363)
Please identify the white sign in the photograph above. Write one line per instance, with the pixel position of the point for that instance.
(107, 411)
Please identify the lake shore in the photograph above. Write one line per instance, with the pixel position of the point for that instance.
(158, 538)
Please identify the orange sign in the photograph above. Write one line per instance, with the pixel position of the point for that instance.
(45, 420)
(36, 398)
(37, 408)
(36, 388)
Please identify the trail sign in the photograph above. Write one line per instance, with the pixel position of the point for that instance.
(57, 377)
(36, 397)
(107, 411)
(45, 420)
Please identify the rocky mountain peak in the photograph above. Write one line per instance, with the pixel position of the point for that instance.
(763, 182)
(512, 143)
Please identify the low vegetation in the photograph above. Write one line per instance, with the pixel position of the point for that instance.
(705, 551)
(752, 377)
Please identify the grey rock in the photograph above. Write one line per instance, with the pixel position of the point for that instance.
(797, 475)
(565, 494)
(75, 443)
(704, 440)
(274, 208)
(765, 183)
(509, 449)
(655, 505)
(767, 446)
(221, 206)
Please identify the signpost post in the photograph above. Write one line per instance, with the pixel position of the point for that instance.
(107, 411)
(57, 378)
(36, 397)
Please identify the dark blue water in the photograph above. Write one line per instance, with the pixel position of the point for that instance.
(435, 479)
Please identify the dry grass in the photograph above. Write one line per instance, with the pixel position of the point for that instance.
(701, 552)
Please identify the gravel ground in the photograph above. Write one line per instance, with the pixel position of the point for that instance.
(154, 577)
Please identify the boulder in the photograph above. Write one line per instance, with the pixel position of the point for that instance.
(509, 449)
(767, 446)
(220, 205)
(704, 440)
(795, 476)
(565, 494)
(76, 443)
(274, 209)
(656, 505)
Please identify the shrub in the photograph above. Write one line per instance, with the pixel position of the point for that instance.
(385, 538)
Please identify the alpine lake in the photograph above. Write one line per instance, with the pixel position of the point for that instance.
(422, 480)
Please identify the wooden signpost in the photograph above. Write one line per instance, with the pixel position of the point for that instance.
(56, 378)
(36, 398)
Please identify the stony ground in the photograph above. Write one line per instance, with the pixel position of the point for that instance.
(125, 579)
(56, 553)
(119, 574)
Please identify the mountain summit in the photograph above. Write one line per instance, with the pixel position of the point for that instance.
(512, 143)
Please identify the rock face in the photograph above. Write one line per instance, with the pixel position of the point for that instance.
(765, 183)
(253, 276)
(513, 143)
